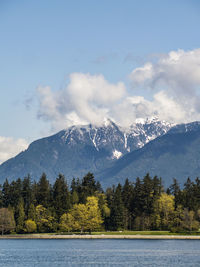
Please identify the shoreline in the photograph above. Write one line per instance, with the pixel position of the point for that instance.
(102, 236)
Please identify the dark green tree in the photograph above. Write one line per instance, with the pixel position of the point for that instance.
(43, 192)
(88, 187)
(27, 193)
(20, 216)
(175, 190)
(6, 194)
(31, 212)
(117, 210)
(127, 194)
(61, 196)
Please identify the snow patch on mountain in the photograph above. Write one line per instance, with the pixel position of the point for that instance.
(116, 154)
(114, 138)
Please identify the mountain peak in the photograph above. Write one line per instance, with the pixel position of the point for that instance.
(147, 120)
(82, 148)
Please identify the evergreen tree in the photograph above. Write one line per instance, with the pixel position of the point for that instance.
(31, 212)
(61, 196)
(20, 216)
(196, 195)
(127, 194)
(73, 185)
(6, 194)
(176, 192)
(15, 191)
(27, 193)
(188, 196)
(1, 197)
(88, 187)
(136, 201)
(74, 197)
(117, 210)
(147, 195)
(43, 191)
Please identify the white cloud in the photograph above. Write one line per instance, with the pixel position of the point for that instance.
(176, 80)
(86, 99)
(173, 83)
(10, 147)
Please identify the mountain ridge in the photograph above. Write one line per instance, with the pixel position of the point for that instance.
(79, 149)
(174, 154)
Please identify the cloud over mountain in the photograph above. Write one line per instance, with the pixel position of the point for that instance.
(87, 98)
(10, 147)
(175, 82)
(172, 82)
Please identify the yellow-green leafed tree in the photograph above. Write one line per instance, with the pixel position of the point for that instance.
(94, 214)
(45, 222)
(82, 217)
(30, 226)
(103, 205)
(164, 210)
(67, 223)
(79, 213)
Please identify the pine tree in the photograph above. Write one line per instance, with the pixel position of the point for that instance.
(74, 197)
(20, 216)
(88, 187)
(176, 192)
(15, 191)
(117, 210)
(136, 201)
(1, 197)
(6, 194)
(27, 193)
(188, 196)
(61, 196)
(31, 212)
(127, 193)
(43, 191)
(147, 195)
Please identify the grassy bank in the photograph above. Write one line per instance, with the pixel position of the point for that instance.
(144, 233)
(107, 235)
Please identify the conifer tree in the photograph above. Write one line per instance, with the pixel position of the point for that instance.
(27, 193)
(1, 197)
(188, 197)
(61, 196)
(117, 210)
(43, 191)
(20, 216)
(176, 192)
(74, 197)
(127, 194)
(6, 194)
(31, 212)
(15, 192)
(88, 187)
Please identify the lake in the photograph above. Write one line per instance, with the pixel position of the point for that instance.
(114, 252)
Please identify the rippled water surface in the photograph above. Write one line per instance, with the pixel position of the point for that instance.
(15, 253)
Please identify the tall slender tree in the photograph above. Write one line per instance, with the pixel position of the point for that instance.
(61, 196)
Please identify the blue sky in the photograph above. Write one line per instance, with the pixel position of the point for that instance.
(44, 42)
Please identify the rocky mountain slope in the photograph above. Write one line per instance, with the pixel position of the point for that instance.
(175, 154)
(79, 149)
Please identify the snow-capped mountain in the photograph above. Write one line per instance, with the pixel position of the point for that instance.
(174, 154)
(118, 140)
(79, 149)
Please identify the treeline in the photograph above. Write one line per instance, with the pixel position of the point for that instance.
(27, 207)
